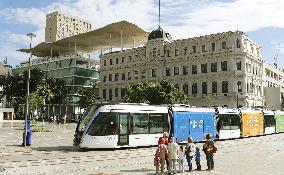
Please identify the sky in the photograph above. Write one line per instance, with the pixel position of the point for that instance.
(261, 20)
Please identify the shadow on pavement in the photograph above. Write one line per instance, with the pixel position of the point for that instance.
(139, 170)
(59, 148)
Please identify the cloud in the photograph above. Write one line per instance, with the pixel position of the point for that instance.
(182, 18)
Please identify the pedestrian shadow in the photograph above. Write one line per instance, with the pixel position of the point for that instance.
(58, 149)
(139, 170)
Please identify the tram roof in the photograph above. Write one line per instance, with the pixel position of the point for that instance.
(94, 40)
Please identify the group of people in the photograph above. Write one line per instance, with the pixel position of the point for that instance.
(169, 153)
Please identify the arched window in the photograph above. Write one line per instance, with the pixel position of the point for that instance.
(177, 86)
(104, 93)
(194, 88)
(204, 88)
(214, 87)
(122, 92)
(110, 94)
(238, 43)
(224, 87)
(239, 86)
(116, 92)
(185, 88)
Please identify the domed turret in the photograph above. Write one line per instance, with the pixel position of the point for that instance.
(159, 33)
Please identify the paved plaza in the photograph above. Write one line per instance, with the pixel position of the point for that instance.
(53, 153)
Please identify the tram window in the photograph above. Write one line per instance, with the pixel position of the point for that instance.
(235, 122)
(102, 125)
(140, 123)
(158, 123)
(269, 120)
(225, 123)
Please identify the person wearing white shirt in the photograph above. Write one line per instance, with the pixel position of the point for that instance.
(172, 155)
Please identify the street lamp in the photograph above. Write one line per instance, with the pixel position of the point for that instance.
(31, 35)
(239, 84)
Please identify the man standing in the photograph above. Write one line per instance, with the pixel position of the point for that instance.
(208, 150)
(172, 155)
(166, 141)
(190, 152)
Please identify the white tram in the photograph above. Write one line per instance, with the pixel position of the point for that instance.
(123, 125)
(269, 122)
(228, 123)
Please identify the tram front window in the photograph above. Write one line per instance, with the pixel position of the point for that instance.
(102, 125)
(229, 121)
(269, 121)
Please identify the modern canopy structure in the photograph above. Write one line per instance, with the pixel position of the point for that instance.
(115, 35)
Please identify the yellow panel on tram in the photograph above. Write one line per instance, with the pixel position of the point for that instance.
(252, 124)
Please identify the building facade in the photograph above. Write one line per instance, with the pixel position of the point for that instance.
(59, 26)
(217, 69)
(75, 70)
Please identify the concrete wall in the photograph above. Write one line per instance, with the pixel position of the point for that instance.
(272, 98)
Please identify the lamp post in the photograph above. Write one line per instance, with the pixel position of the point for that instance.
(31, 35)
(239, 84)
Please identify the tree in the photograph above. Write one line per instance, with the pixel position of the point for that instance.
(154, 93)
(88, 96)
(35, 79)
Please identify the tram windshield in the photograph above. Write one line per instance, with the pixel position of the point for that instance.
(229, 121)
(269, 121)
(86, 117)
(104, 124)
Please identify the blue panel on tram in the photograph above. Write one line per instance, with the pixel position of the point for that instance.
(193, 124)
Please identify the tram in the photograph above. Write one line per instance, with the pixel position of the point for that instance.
(252, 122)
(269, 122)
(279, 117)
(228, 123)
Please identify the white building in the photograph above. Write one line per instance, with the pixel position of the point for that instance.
(5, 69)
(59, 26)
(203, 67)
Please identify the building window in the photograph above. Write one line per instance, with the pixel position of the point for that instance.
(104, 79)
(194, 88)
(116, 60)
(185, 50)
(154, 73)
(136, 75)
(214, 87)
(204, 88)
(194, 49)
(194, 69)
(104, 93)
(122, 60)
(116, 76)
(123, 76)
(176, 70)
(104, 62)
(185, 70)
(110, 62)
(213, 46)
(224, 45)
(177, 86)
(129, 75)
(110, 77)
(238, 43)
(185, 88)
(110, 94)
(122, 92)
(214, 67)
(239, 65)
(129, 59)
(143, 74)
(176, 52)
(203, 48)
(204, 68)
(239, 86)
(168, 53)
(116, 92)
(224, 87)
(168, 71)
(224, 66)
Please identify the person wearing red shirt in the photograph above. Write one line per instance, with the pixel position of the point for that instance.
(165, 140)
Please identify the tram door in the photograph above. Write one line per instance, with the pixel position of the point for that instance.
(123, 129)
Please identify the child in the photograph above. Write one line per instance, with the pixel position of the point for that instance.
(157, 159)
(180, 159)
(197, 159)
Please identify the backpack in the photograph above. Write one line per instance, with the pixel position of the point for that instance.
(190, 148)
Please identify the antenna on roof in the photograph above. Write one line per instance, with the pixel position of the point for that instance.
(159, 14)
(276, 55)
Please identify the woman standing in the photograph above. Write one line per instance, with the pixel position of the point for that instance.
(189, 152)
